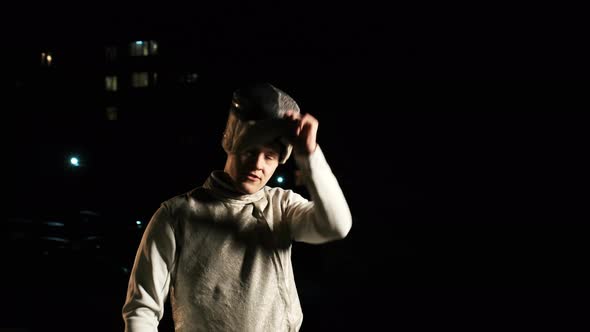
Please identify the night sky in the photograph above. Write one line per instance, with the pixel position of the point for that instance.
(457, 132)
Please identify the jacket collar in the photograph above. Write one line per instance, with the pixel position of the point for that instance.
(221, 187)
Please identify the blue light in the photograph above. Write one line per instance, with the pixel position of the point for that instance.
(138, 222)
(139, 42)
(280, 179)
(74, 161)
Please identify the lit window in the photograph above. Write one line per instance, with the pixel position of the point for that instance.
(46, 59)
(111, 83)
(139, 80)
(143, 79)
(153, 47)
(143, 48)
(112, 113)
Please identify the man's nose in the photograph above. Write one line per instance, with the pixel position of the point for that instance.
(259, 162)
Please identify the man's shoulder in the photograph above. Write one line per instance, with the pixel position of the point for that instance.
(275, 190)
(184, 199)
(280, 193)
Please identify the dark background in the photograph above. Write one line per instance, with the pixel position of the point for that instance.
(457, 132)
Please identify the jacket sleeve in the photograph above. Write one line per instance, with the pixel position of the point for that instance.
(150, 277)
(327, 216)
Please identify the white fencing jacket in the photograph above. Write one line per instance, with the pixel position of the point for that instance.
(225, 259)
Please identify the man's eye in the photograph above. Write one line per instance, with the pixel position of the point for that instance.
(270, 156)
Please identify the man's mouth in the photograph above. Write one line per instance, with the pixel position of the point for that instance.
(252, 177)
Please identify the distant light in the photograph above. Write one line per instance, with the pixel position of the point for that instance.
(139, 42)
(46, 59)
(138, 222)
(74, 161)
(280, 179)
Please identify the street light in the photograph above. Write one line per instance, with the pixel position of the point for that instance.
(74, 162)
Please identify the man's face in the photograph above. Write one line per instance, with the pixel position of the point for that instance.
(251, 169)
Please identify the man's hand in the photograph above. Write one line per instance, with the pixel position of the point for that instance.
(305, 129)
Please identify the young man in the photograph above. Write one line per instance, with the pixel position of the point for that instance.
(223, 250)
